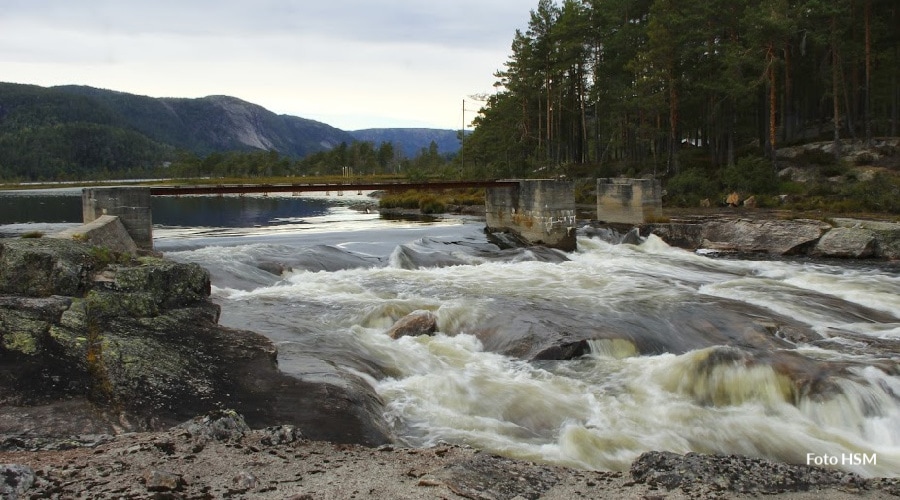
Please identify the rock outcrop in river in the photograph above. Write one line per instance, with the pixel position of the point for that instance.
(97, 342)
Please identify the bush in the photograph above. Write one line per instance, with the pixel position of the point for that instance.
(751, 175)
(689, 187)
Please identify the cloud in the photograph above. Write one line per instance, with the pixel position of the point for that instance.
(404, 60)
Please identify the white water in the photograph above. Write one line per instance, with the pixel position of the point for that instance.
(680, 361)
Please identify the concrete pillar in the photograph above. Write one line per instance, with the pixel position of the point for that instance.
(130, 204)
(540, 212)
(628, 201)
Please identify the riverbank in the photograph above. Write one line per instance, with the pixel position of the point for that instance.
(221, 458)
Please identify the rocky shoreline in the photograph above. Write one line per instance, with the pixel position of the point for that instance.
(106, 358)
(219, 456)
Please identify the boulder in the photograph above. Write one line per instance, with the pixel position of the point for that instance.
(750, 202)
(414, 324)
(887, 235)
(43, 267)
(138, 347)
(776, 237)
(844, 242)
(733, 199)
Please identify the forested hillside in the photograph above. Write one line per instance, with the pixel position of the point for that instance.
(663, 86)
(77, 132)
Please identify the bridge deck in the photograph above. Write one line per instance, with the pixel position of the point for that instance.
(300, 188)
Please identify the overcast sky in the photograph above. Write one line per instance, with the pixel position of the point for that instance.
(353, 64)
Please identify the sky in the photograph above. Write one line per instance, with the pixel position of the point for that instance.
(353, 64)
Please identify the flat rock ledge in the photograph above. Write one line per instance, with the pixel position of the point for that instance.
(832, 238)
(218, 456)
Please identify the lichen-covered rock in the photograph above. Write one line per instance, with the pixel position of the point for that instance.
(44, 267)
(855, 243)
(887, 235)
(139, 343)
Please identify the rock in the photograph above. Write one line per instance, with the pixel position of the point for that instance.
(244, 481)
(276, 268)
(137, 347)
(414, 324)
(632, 237)
(281, 434)
(750, 202)
(44, 267)
(887, 235)
(162, 481)
(705, 203)
(776, 237)
(733, 199)
(15, 480)
(734, 474)
(218, 425)
(678, 234)
(843, 242)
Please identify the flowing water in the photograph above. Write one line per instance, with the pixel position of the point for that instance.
(585, 359)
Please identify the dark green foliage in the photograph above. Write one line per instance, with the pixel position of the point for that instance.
(687, 188)
(751, 175)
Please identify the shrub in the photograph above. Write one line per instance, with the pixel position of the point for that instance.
(33, 234)
(751, 175)
(689, 187)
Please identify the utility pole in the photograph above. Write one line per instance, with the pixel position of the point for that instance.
(462, 145)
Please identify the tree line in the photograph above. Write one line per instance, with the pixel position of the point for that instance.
(648, 85)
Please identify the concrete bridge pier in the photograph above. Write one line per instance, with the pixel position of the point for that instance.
(628, 201)
(130, 204)
(538, 212)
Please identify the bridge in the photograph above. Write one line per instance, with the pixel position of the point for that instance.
(534, 211)
(216, 189)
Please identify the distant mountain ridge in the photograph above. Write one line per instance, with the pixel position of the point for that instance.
(49, 132)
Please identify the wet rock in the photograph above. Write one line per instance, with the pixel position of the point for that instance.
(854, 243)
(329, 258)
(15, 480)
(276, 268)
(632, 237)
(407, 258)
(414, 324)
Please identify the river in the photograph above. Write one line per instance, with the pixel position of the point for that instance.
(791, 360)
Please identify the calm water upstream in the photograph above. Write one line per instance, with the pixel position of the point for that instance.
(778, 359)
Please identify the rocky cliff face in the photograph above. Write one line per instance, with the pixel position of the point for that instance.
(97, 342)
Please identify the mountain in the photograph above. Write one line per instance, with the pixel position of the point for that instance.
(75, 131)
(411, 140)
(216, 123)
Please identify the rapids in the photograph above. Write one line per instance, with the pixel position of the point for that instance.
(667, 349)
